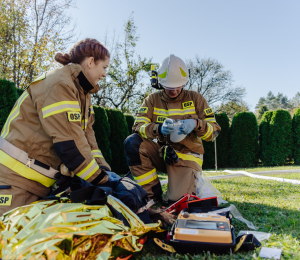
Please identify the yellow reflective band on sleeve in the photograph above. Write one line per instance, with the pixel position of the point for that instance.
(84, 123)
(97, 153)
(59, 107)
(189, 157)
(146, 178)
(13, 114)
(212, 120)
(92, 110)
(89, 170)
(24, 171)
(143, 130)
(142, 119)
(208, 133)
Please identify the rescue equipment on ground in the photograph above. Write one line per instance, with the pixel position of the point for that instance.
(63, 230)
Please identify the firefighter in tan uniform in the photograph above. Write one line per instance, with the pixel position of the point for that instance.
(50, 129)
(155, 120)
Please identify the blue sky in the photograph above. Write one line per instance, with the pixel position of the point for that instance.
(257, 40)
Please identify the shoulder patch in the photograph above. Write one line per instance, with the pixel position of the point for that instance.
(5, 200)
(188, 104)
(161, 119)
(143, 110)
(74, 116)
(208, 111)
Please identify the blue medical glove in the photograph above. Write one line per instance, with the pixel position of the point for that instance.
(187, 126)
(167, 127)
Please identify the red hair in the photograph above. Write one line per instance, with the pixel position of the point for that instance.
(83, 49)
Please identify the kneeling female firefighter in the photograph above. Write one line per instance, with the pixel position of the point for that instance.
(50, 128)
(181, 160)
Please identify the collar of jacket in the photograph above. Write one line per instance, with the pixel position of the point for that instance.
(84, 81)
(167, 99)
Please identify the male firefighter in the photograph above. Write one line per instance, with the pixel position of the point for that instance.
(155, 120)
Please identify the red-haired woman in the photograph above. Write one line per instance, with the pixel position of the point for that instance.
(50, 129)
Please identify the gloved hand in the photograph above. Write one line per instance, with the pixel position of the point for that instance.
(187, 126)
(167, 127)
(170, 156)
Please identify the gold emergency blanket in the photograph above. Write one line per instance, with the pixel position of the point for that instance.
(64, 230)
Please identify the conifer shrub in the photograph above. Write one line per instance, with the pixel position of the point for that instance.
(244, 147)
(222, 145)
(20, 91)
(280, 138)
(8, 97)
(296, 136)
(118, 134)
(264, 136)
(130, 122)
(102, 132)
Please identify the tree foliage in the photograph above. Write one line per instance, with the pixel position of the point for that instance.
(279, 139)
(244, 147)
(296, 136)
(208, 77)
(102, 132)
(119, 132)
(231, 108)
(124, 88)
(8, 98)
(31, 32)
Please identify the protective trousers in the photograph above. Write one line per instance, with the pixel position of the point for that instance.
(144, 162)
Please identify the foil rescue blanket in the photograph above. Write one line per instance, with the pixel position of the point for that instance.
(63, 230)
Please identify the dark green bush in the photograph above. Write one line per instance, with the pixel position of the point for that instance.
(264, 136)
(244, 140)
(130, 122)
(118, 133)
(8, 97)
(222, 145)
(296, 136)
(102, 132)
(280, 138)
(20, 91)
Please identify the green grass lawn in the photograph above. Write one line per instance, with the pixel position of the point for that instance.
(272, 206)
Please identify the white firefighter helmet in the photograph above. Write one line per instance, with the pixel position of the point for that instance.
(172, 72)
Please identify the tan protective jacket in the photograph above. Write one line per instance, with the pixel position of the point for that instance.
(188, 105)
(51, 124)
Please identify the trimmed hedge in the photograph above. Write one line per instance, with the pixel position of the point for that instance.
(264, 136)
(296, 136)
(20, 91)
(280, 138)
(244, 147)
(130, 122)
(102, 132)
(119, 132)
(222, 145)
(8, 98)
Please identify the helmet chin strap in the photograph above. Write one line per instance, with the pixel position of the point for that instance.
(174, 97)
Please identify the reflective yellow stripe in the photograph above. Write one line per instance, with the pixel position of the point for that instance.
(189, 157)
(174, 112)
(92, 110)
(143, 130)
(89, 170)
(208, 133)
(147, 177)
(24, 171)
(142, 119)
(97, 153)
(60, 107)
(212, 120)
(84, 123)
(14, 113)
